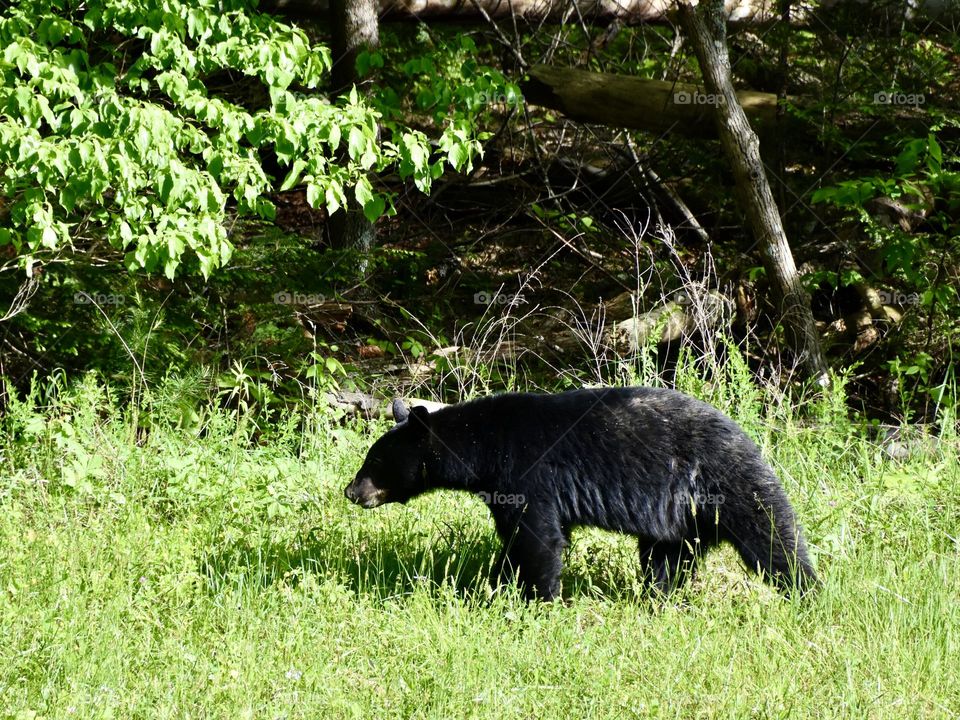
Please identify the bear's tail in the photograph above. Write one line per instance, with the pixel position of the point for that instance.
(763, 528)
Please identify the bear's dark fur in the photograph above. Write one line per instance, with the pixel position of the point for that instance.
(654, 463)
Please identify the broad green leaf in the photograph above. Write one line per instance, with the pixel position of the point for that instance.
(356, 142)
(373, 208)
(294, 175)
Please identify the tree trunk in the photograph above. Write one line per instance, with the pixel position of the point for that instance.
(355, 29)
(706, 29)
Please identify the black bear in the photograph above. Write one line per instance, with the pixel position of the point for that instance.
(673, 471)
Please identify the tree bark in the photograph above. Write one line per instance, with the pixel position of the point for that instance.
(705, 26)
(355, 29)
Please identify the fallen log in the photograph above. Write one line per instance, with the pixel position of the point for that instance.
(630, 331)
(368, 406)
(628, 11)
(738, 12)
(638, 103)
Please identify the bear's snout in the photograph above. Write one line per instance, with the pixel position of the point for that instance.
(364, 493)
(351, 492)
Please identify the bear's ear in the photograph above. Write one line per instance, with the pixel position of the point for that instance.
(420, 416)
(400, 412)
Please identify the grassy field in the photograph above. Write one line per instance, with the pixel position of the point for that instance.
(164, 573)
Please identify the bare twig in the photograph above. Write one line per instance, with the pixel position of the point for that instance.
(21, 300)
(515, 50)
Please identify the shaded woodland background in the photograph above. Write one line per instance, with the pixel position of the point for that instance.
(574, 247)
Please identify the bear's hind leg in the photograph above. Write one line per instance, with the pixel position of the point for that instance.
(667, 565)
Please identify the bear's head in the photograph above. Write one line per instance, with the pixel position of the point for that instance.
(394, 470)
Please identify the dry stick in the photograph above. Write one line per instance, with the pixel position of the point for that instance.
(649, 177)
(585, 256)
(674, 49)
(555, 41)
(516, 30)
(500, 35)
(678, 203)
(21, 300)
(136, 363)
(942, 268)
(23, 352)
(544, 176)
(783, 70)
(583, 27)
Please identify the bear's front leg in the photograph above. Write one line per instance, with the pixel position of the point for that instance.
(532, 554)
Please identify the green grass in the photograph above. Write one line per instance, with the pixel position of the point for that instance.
(170, 575)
